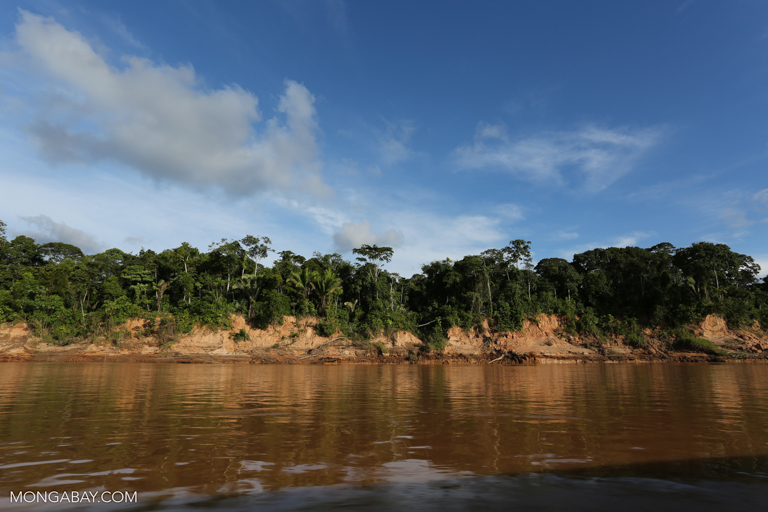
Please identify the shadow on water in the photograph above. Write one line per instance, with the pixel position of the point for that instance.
(714, 484)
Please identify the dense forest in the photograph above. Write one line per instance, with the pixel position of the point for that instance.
(65, 295)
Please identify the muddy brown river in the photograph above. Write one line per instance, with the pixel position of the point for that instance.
(444, 437)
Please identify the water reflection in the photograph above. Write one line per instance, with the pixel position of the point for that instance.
(167, 430)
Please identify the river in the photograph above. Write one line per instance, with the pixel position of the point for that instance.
(440, 437)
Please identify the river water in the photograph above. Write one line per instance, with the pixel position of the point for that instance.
(443, 437)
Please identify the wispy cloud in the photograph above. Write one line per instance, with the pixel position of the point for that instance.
(593, 156)
(761, 197)
(118, 27)
(49, 230)
(567, 235)
(685, 5)
(337, 15)
(393, 144)
(631, 239)
(509, 211)
(158, 120)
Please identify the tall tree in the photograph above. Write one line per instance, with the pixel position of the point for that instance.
(375, 256)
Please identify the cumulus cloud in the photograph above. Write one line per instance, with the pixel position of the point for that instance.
(162, 121)
(354, 235)
(436, 237)
(595, 156)
(52, 231)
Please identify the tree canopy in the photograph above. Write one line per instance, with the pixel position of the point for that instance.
(66, 294)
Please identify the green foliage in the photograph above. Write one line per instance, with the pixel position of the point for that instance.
(241, 335)
(699, 345)
(121, 309)
(435, 337)
(65, 295)
(327, 327)
(636, 340)
(379, 347)
(271, 310)
(587, 322)
(212, 314)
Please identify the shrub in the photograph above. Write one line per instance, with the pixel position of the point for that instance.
(271, 310)
(699, 345)
(327, 327)
(636, 340)
(241, 335)
(587, 322)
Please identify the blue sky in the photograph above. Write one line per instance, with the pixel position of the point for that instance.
(438, 128)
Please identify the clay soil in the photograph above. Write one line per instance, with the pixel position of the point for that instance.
(542, 340)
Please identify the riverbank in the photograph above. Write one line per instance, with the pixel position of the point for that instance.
(542, 339)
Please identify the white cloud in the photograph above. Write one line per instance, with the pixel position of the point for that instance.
(393, 145)
(51, 231)
(567, 235)
(631, 239)
(337, 15)
(160, 119)
(432, 237)
(762, 260)
(596, 156)
(735, 218)
(354, 235)
(118, 27)
(761, 196)
(509, 211)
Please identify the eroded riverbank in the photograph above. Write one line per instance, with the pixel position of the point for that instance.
(541, 340)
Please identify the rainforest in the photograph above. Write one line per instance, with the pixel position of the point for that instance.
(66, 296)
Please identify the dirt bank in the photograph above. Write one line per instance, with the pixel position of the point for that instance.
(542, 340)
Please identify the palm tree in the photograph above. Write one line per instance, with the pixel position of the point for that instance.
(302, 280)
(249, 284)
(325, 285)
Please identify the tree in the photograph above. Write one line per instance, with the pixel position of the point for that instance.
(140, 280)
(560, 274)
(256, 248)
(187, 256)
(709, 264)
(302, 280)
(229, 254)
(325, 285)
(59, 251)
(518, 251)
(21, 252)
(375, 256)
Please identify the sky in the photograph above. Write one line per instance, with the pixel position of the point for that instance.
(440, 129)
